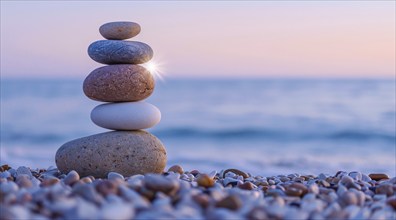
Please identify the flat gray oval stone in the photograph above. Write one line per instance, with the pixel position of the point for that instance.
(125, 152)
(119, 30)
(119, 83)
(120, 52)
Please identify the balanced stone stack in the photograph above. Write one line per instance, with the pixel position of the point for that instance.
(122, 82)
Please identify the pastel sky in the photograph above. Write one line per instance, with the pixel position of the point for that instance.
(206, 39)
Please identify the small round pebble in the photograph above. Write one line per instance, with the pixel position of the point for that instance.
(230, 202)
(205, 181)
(115, 176)
(160, 183)
(176, 169)
(119, 30)
(236, 171)
(173, 195)
(386, 189)
(71, 178)
(247, 186)
(378, 176)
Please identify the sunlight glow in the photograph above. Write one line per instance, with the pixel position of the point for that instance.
(154, 68)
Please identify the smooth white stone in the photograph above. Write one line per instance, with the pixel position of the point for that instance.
(126, 115)
(114, 176)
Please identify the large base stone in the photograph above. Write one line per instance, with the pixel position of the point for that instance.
(124, 152)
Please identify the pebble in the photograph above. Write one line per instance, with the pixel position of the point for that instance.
(176, 169)
(160, 183)
(356, 175)
(229, 180)
(386, 189)
(378, 176)
(205, 181)
(236, 171)
(169, 195)
(125, 154)
(115, 176)
(346, 180)
(212, 174)
(107, 187)
(8, 187)
(392, 202)
(71, 178)
(275, 192)
(24, 171)
(313, 188)
(120, 52)
(23, 181)
(5, 174)
(49, 181)
(349, 198)
(366, 178)
(247, 186)
(230, 202)
(119, 30)
(86, 180)
(202, 199)
(257, 213)
(300, 186)
(291, 191)
(119, 83)
(126, 116)
(322, 176)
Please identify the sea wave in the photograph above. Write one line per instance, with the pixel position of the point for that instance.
(222, 134)
(271, 134)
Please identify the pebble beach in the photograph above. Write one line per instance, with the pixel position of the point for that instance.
(125, 173)
(178, 194)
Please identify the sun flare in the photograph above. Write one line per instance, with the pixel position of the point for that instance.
(155, 69)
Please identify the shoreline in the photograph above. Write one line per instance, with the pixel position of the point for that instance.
(179, 194)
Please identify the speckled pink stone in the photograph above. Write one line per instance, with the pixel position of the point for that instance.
(119, 83)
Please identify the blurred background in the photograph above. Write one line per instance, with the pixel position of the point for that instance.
(267, 87)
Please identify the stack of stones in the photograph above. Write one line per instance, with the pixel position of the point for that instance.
(128, 150)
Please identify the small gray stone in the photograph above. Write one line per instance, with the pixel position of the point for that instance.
(71, 178)
(386, 189)
(25, 171)
(8, 187)
(88, 193)
(356, 175)
(119, 83)
(5, 174)
(313, 188)
(160, 183)
(119, 30)
(120, 52)
(349, 198)
(115, 176)
(23, 181)
(124, 152)
(322, 176)
(346, 180)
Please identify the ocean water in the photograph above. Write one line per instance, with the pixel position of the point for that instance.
(262, 126)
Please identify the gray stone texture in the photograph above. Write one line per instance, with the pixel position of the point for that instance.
(120, 52)
(119, 30)
(124, 152)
